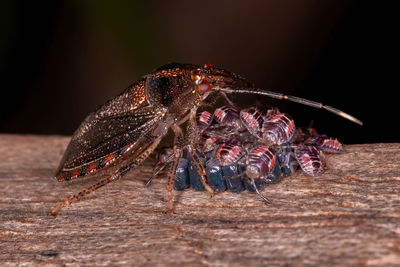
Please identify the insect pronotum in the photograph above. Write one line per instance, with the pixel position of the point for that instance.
(128, 128)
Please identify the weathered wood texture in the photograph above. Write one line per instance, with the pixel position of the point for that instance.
(348, 216)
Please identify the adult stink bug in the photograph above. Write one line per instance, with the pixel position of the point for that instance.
(126, 129)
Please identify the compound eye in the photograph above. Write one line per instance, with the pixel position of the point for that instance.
(204, 87)
(208, 65)
(201, 84)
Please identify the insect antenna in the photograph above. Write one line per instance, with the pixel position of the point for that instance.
(255, 91)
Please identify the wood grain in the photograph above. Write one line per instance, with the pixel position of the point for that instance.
(348, 216)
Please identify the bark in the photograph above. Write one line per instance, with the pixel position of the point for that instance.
(348, 216)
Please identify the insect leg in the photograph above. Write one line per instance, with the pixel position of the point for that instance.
(191, 139)
(239, 175)
(165, 158)
(157, 169)
(171, 177)
(266, 200)
(178, 152)
(200, 169)
(114, 177)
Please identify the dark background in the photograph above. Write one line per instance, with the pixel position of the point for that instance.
(60, 60)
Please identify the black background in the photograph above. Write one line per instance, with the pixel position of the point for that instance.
(60, 60)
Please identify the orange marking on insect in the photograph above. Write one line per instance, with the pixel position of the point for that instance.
(141, 100)
(276, 117)
(205, 117)
(62, 176)
(75, 173)
(332, 145)
(272, 163)
(92, 167)
(219, 114)
(251, 121)
(260, 150)
(110, 158)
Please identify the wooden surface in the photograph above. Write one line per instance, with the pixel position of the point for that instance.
(348, 216)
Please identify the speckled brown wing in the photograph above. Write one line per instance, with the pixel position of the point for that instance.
(114, 131)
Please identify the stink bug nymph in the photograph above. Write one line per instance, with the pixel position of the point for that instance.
(128, 128)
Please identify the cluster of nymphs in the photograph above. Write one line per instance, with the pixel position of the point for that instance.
(248, 149)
